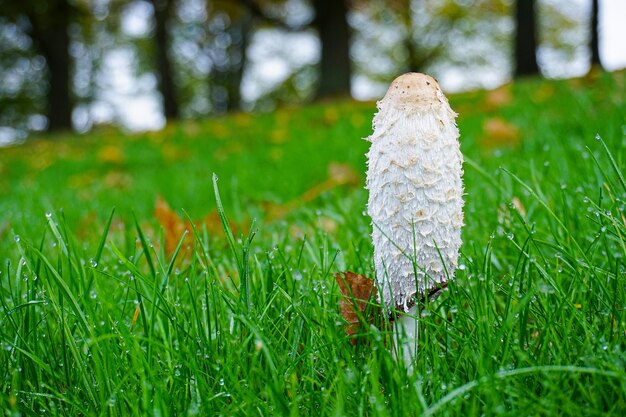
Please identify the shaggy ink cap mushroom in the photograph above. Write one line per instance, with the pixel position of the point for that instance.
(415, 188)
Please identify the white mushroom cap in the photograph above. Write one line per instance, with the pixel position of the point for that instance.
(414, 179)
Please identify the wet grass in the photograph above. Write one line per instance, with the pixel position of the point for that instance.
(100, 316)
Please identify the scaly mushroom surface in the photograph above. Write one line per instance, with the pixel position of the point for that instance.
(414, 179)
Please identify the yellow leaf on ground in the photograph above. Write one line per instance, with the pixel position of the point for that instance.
(110, 154)
(279, 136)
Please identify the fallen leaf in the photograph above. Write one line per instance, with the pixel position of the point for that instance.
(213, 224)
(498, 132)
(356, 291)
(110, 154)
(498, 97)
(173, 226)
(279, 136)
(338, 175)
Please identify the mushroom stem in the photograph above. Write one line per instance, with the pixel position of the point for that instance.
(406, 336)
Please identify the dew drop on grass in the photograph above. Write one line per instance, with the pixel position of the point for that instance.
(93, 263)
(17, 238)
(93, 295)
(462, 267)
(48, 215)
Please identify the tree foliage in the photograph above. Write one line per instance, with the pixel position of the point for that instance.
(61, 61)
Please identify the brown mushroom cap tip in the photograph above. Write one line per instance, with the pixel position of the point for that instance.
(413, 88)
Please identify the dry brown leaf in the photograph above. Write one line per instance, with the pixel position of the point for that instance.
(498, 132)
(354, 287)
(213, 224)
(498, 98)
(173, 226)
(338, 175)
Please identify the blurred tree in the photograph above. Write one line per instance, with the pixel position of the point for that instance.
(525, 51)
(334, 33)
(22, 82)
(595, 35)
(228, 55)
(163, 10)
(47, 24)
(335, 65)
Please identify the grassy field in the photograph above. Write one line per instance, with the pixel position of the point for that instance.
(121, 293)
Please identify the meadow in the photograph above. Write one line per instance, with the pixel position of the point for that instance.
(191, 271)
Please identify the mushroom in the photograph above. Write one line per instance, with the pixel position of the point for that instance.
(414, 179)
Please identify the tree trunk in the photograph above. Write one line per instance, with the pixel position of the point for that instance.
(413, 60)
(236, 75)
(164, 67)
(334, 32)
(525, 39)
(595, 35)
(50, 36)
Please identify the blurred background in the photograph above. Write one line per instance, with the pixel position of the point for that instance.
(137, 64)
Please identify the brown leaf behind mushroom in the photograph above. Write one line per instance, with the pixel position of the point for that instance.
(356, 291)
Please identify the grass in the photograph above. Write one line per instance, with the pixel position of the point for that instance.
(119, 312)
